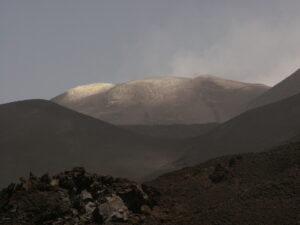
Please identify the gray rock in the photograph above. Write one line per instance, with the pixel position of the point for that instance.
(114, 209)
(90, 207)
(85, 195)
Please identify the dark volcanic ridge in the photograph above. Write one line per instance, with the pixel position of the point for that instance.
(253, 188)
(38, 135)
(284, 89)
(255, 130)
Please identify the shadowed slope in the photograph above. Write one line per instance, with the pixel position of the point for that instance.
(179, 131)
(255, 188)
(286, 88)
(256, 130)
(39, 135)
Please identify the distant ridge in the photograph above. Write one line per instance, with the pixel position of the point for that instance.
(255, 130)
(284, 89)
(162, 100)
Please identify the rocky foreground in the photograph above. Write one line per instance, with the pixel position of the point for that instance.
(255, 188)
(75, 197)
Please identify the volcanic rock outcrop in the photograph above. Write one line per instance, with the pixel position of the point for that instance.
(74, 197)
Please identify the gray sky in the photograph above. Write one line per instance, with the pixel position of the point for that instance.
(49, 46)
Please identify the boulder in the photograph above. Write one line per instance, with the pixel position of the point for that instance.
(73, 197)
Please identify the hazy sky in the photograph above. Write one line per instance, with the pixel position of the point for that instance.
(48, 46)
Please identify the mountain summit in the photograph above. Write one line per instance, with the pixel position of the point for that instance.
(162, 100)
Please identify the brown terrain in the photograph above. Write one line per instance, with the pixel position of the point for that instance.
(253, 188)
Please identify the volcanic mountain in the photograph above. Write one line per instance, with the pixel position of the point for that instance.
(38, 135)
(162, 100)
(286, 88)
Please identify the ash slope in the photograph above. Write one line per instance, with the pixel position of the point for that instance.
(255, 188)
(38, 135)
(162, 100)
(286, 88)
(255, 130)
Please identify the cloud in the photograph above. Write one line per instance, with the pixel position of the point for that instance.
(251, 52)
(260, 44)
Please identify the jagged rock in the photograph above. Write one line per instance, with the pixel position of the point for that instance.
(134, 198)
(73, 197)
(114, 209)
(90, 207)
(85, 195)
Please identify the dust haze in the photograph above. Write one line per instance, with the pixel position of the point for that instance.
(247, 45)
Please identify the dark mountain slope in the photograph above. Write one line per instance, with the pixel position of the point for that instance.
(40, 136)
(256, 130)
(255, 188)
(286, 88)
(172, 131)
